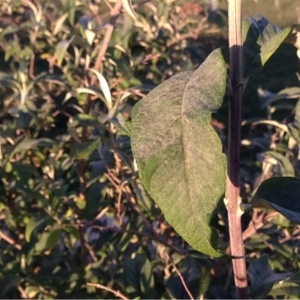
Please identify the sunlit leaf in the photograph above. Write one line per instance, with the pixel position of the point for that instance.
(53, 237)
(127, 5)
(90, 35)
(104, 87)
(83, 150)
(61, 50)
(59, 24)
(261, 39)
(292, 289)
(92, 90)
(36, 9)
(268, 48)
(179, 155)
(32, 291)
(283, 162)
(32, 225)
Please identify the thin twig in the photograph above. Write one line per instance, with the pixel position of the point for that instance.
(103, 287)
(190, 35)
(109, 31)
(180, 277)
(9, 240)
(259, 219)
(234, 137)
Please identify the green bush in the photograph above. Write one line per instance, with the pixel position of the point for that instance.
(75, 220)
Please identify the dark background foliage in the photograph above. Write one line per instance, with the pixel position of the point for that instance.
(75, 221)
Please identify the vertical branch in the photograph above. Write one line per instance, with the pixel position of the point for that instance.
(233, 184)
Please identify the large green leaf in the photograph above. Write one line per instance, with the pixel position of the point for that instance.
(179, 155)
(280, 194)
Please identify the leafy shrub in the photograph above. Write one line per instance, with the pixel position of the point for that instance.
(75, 220)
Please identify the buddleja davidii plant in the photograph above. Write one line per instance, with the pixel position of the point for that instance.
(261, 40)
(178, 153)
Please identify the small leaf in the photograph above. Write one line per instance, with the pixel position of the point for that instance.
(59, 23)
(81, 203)
(32, 291)
(179, 155)
(53, 237)
(269, 47)
(84, 120)
(27, 144)
(263, 30)
(36, 9)
(286, 288)
(261, 39)
(104, 87)
(262, 277)
(90, 35)
(92, 90)
(30, 226)
(73, 133)
(280, 194)
(7, 81)
(61, 50)
(287, 93)
(85, 149)
(88, 90)
(73, 230)
(286, 168)
(277, 124)
(129, 9)
(41, 244)
(138, 276)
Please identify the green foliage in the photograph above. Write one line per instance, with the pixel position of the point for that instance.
(171, 132)
(73, 211)
(261, 39)
(262, 276)
(280, 194)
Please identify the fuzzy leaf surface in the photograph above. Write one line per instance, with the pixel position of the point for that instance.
(179, 154)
